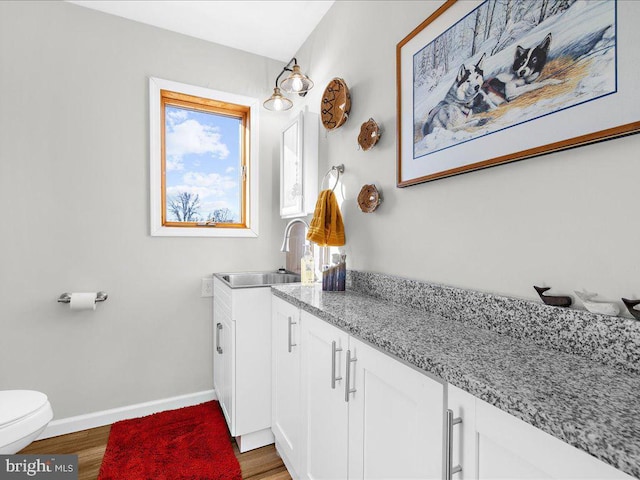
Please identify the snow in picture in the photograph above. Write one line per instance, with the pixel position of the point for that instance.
(508, 62)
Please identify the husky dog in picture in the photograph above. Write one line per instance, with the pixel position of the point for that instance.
(526, 69)
(454, 111)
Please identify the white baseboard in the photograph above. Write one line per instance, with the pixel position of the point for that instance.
(107, 417)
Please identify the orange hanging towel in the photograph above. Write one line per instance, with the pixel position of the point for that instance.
(326, 228)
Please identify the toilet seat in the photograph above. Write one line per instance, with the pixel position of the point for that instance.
(24, 414)
(16, 404)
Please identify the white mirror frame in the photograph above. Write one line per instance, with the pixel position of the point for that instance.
(306, 155)
(292, 169)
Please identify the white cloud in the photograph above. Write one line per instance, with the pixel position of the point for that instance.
(175, 116)
(202, 192)
(205, 185)
(230, 170)
(209, 180)
(216, 205)
(174, 164)
(191, 136)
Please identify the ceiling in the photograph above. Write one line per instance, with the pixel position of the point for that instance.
(274, 29)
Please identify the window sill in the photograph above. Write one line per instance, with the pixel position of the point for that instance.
(204, 232)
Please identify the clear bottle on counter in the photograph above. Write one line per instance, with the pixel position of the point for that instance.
(307, 266)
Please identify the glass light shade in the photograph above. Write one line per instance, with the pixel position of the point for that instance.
(297, 82)
(277, 102)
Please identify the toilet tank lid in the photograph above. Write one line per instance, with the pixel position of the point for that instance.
(15, 404)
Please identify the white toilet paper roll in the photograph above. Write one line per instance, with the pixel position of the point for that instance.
(83, 301)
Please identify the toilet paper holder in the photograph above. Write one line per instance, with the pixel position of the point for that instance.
(66, 297)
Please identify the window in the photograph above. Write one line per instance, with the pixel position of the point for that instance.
(204, 163)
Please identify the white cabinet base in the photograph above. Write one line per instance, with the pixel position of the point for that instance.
(242, 361)
(253, 440)
(366, 415)
(287, 462)
(324, 410)
(395, 419)
(286, 419)
(491, 444)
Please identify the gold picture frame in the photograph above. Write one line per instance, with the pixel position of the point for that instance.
(585, 93)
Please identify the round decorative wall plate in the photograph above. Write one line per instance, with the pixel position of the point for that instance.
(369, 198)
(335, 104)
(369, 134)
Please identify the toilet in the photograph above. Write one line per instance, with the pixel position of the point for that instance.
(24, 414)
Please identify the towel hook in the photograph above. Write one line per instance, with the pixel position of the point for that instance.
(337, 168)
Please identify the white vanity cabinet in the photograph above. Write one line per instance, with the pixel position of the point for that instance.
(325, 412)
(345, 410)
(286, 418)
(366, 415)
(491, 444)
(242, 361)
(395, 418)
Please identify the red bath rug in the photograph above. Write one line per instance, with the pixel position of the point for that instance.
(190, 443)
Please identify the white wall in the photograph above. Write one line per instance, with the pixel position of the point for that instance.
(568, 219)
(74, 183)
(74, 187)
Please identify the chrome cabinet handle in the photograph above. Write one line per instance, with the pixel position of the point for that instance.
(334, 350)
(449, 469)
(289, 342)
(219, 328)
(347, 386)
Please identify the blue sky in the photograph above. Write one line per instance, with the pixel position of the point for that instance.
(202, 157)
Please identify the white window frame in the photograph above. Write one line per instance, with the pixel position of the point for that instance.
(155, 159)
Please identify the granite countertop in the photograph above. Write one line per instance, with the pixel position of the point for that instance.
(589, 405)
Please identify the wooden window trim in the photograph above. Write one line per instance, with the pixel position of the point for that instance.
(246, 109)
(200, 104)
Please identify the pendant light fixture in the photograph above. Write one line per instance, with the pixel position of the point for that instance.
(296, 82)
(277, 102)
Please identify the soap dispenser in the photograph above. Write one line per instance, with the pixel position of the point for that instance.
(307, 266)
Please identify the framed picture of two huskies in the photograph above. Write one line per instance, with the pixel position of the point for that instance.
(485, 82)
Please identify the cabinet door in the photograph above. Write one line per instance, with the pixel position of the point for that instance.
(251, 311)
(491, 444)
(286, 417)
(463, 440)
(510, 448)
(223, 355)
(218, 371)
(395, 418)
(224, 369)
(325, 410)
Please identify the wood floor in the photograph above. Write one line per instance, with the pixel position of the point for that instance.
(260, 464)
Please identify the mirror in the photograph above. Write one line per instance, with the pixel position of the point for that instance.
(291, 169)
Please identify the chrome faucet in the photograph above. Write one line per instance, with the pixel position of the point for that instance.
(287, 232)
